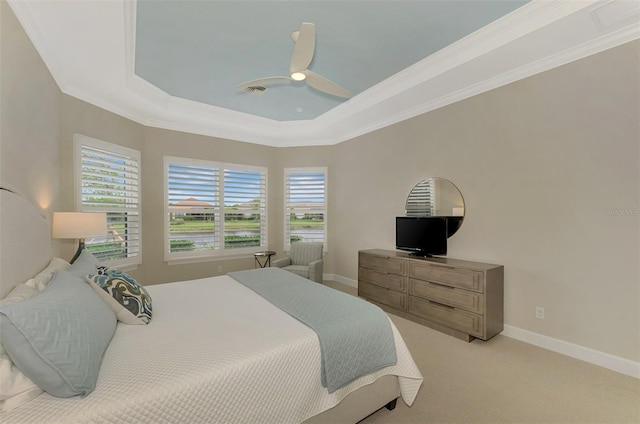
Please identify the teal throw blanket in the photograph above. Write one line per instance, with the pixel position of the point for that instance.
(355, 336)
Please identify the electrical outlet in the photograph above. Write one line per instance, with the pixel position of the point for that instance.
(539, 312)
(219, 268)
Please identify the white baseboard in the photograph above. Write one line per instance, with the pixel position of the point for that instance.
(602, 359)
(340, 279)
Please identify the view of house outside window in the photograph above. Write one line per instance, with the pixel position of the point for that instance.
(214, 208)
(108, 180)
(305, 205)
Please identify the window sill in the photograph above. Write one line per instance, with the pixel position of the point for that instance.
(192, 260)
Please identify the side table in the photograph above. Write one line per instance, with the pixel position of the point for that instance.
(266, 256)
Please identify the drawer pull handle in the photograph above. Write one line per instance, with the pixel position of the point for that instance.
(441, 304)
(442, 285)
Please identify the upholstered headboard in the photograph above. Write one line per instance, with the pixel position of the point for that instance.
(25, 240)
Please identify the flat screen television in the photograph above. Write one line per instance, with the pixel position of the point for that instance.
(423, 236)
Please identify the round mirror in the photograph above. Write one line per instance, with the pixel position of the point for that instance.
(437, 197)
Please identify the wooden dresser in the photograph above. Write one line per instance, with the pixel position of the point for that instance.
(461, 298)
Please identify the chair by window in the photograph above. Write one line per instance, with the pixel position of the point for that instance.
(305, 259)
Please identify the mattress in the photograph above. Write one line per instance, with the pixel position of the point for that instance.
(215, 351)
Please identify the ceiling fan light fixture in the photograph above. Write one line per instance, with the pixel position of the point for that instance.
(298, 76)
(303, 51)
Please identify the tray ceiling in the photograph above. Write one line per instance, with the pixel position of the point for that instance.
(175, 64)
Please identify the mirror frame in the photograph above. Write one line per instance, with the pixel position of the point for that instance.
(429, 193)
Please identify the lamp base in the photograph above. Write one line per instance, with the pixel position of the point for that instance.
(79, 251)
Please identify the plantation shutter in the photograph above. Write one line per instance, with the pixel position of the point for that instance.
(421, 201)
(214, 209)
(109, 181)
(305, 205)
(245, 200)
(194, 208)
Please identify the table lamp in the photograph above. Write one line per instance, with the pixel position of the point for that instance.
(79, 225)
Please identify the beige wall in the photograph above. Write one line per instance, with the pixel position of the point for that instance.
(30, 118)
(539, 163)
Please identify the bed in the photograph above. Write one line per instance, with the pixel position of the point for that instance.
(214, 351)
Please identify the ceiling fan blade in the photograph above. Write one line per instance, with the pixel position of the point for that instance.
(261, 81)
(322, 84)
(303, 50)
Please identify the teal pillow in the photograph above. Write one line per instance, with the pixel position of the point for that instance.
(57, 338)
(85, 264)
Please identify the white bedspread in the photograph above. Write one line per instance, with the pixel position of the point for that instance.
(214, 352)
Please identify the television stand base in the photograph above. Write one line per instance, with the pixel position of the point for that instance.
(420, 255)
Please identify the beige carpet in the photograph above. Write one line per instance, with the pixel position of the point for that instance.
(506, 381)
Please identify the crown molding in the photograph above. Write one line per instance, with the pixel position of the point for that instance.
(31, 25)
(512, 75)
(530, 40)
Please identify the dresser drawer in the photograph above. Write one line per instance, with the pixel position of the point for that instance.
(381, 295)
(458, 298)
(464, 321)
(455, 277)
(383, 263)
(383, 279)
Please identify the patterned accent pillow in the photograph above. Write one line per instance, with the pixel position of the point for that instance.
(128, 299)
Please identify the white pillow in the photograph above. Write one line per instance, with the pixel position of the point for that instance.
(18, 294)
(40, 281)
(16, 388)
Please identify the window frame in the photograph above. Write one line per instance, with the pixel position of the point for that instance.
(287, 216)
(219, 251)
(80, 140)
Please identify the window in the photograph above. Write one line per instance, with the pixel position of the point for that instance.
(213, 208)
(108, 180)
(305, 217)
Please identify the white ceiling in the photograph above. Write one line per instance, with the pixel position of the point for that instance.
(174, 64)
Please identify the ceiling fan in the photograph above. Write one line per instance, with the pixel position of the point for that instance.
(305, 43)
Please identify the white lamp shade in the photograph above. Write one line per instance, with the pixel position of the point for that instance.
(79, 225)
